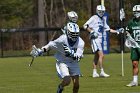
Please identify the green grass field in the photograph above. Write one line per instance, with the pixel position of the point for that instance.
(17, 77)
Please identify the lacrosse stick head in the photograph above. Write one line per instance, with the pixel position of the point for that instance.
(131, 43)
(128, 43)
(34, 52)
(122, 14)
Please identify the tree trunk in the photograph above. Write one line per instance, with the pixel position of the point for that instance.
(41, 23)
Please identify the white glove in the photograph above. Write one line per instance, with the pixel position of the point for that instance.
(120, 30)
(93, 35)
(76, 57)
(36, 51)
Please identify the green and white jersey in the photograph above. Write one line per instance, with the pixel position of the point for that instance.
(133, 28)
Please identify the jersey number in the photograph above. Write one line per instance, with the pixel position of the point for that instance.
(137, 35)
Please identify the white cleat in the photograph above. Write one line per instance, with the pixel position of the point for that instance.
(104, 75)
(95, 75)
(132, 84)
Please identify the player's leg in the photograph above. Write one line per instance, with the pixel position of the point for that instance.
(135, 71)
(96, 46)
(74, 70)
(135, 68)
(75, 80)
(134, 82)
(95, 63)
(135, 61)
(101, 57)
(63, 73)
(65, 82)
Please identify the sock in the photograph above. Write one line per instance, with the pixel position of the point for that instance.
(94, 70)
(135, 78)
(60, 86)
(102, 70)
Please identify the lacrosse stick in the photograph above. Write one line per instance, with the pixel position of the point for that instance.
(122, 16)
(131, 43)
(33, 53)
(31, 61)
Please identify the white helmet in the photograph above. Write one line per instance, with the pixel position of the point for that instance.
(72, 31)
(73, 17)
(136, 11)
(100, 10)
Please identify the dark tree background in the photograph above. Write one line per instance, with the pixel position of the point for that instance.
(52, 14)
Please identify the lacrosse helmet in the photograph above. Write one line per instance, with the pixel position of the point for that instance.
(72, 31)
(72, 16)
(136, 11)
(100, 10)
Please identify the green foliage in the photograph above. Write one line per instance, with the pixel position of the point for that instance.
(14, 12)
(21, 13)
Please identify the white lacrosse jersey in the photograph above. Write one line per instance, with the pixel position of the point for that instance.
(57, 45)
(98, 25)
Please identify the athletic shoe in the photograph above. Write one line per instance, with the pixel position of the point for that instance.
(103, 74)
(132, 84)
(59, 89)
(95, 75)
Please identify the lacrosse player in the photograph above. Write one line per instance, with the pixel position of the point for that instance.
(95, 26)
(133, 29)
(69, 49)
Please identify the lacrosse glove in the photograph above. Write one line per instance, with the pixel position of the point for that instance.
(36, 51)
(93, 35)
(120, 30)
(70, 53)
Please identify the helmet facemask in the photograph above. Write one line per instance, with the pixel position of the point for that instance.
(136, 11)
(73, 35)
(136, 14)
(72, 31)
(100, 13)
(100, 10)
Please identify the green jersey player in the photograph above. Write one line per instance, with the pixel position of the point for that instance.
(133, 29)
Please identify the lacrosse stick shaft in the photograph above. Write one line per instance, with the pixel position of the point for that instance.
(31, 62)
(102, 2)
(122, 17)
(122, 63)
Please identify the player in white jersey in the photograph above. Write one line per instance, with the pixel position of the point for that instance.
(69, 49)
(95, 26)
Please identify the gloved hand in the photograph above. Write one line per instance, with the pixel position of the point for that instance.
(93, 35)
(68, 51)
(76, 57)
(120, 30)
(36, 51)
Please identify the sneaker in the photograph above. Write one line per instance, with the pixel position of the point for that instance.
(104, 75)
(132, 84)
(59, 89)
(95, 75)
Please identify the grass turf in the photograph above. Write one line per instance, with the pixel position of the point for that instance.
(17, 77)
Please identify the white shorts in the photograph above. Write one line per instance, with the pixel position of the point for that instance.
(67, 69)
(96, 44)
